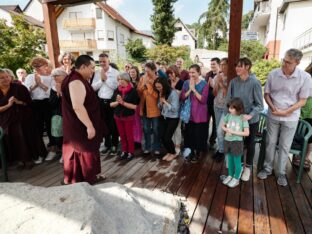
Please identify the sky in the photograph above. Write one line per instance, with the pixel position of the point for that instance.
(138, 12)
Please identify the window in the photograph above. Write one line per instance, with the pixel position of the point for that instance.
(75, 15)
(110, 35)
(100, 35)
(98, 13)
(90, 53)
(185, 37)
(179, 28)
(122, 39)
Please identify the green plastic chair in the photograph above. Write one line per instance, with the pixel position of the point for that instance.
(261, 140)
(4, 177)
(304, 130)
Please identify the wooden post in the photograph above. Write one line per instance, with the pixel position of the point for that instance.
(235, 36)
(51, 33)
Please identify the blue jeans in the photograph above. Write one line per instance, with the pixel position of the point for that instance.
(219, 113)
(151, 126)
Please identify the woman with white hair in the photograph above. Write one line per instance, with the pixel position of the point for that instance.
(125, 100)
(58, 76)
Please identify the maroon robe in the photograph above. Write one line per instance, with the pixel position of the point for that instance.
(81, 155)
(22, 141)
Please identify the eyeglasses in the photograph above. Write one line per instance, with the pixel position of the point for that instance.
(287, 62)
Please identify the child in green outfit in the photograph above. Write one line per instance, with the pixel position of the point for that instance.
(235, 128)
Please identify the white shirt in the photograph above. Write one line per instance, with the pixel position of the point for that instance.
(38, 93)
(106, 88)
(286, 91)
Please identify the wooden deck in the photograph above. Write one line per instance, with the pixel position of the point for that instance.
(254, 207)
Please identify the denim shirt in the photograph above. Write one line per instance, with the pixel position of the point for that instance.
(170, 110)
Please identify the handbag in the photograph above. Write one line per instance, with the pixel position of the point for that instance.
(57, 126)
(185, 112)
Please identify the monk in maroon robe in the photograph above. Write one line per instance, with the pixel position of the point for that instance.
(22, 141)
(82, 125)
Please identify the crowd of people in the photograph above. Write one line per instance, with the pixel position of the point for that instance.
(164, 110)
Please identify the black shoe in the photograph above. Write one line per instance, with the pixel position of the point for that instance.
(217, 154)
(113, 151)
(105, 152)
(130, 156)
(123, 155)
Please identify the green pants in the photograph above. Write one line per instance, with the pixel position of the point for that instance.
(234, 165)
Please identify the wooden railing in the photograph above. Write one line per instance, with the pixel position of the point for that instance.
(81, 24)
(78, 44)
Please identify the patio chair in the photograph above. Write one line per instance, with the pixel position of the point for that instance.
(4, 169)
(304, 132)
(261, 139)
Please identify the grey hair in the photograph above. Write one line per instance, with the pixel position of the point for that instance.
(125, 76)
(58, 72)
(62, 55)
(2, 70)
(9, 72)
(295, 54)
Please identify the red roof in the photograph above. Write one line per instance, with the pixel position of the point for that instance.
(116, 16)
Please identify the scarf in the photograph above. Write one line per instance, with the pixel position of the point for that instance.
(124, 90)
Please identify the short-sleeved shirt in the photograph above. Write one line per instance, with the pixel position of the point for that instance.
(236, 123)
(286, 91)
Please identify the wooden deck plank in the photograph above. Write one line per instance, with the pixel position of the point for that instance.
(276, 214)
(215, 217)
(136, 178)
(261, 212)
(198, 186)
(143, 162)
(191, 177)
(246, 212)
(212, 207)
(204, 203)
(169, 176)
(303, 206)
(230, 218)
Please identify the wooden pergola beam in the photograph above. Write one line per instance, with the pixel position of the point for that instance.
(236, 13)
(51, 33)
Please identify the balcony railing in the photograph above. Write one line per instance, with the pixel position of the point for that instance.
(263, 8)
(79, 24)
(78, 44)
(304, 41)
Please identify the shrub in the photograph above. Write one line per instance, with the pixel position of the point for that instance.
(263, 67)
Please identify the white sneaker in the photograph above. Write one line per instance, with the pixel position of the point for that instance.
(61, 160)
(186, 152)
(38, 161)
(227, 180)
(51, 156)
(233, 183)
(246, 174)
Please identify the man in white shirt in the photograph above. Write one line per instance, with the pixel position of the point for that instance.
(39, 86)
(105, 82)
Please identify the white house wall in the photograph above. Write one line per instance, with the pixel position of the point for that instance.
(297, 22)
(6, 16)
(35, 10)
(178, 37)
(147, 41)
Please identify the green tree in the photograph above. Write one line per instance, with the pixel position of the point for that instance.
(20, 43)
(254, 50)
(214, 27)
(168, 54)
(263, 67)
(136, 49)
(163, 21)
(246, 19)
